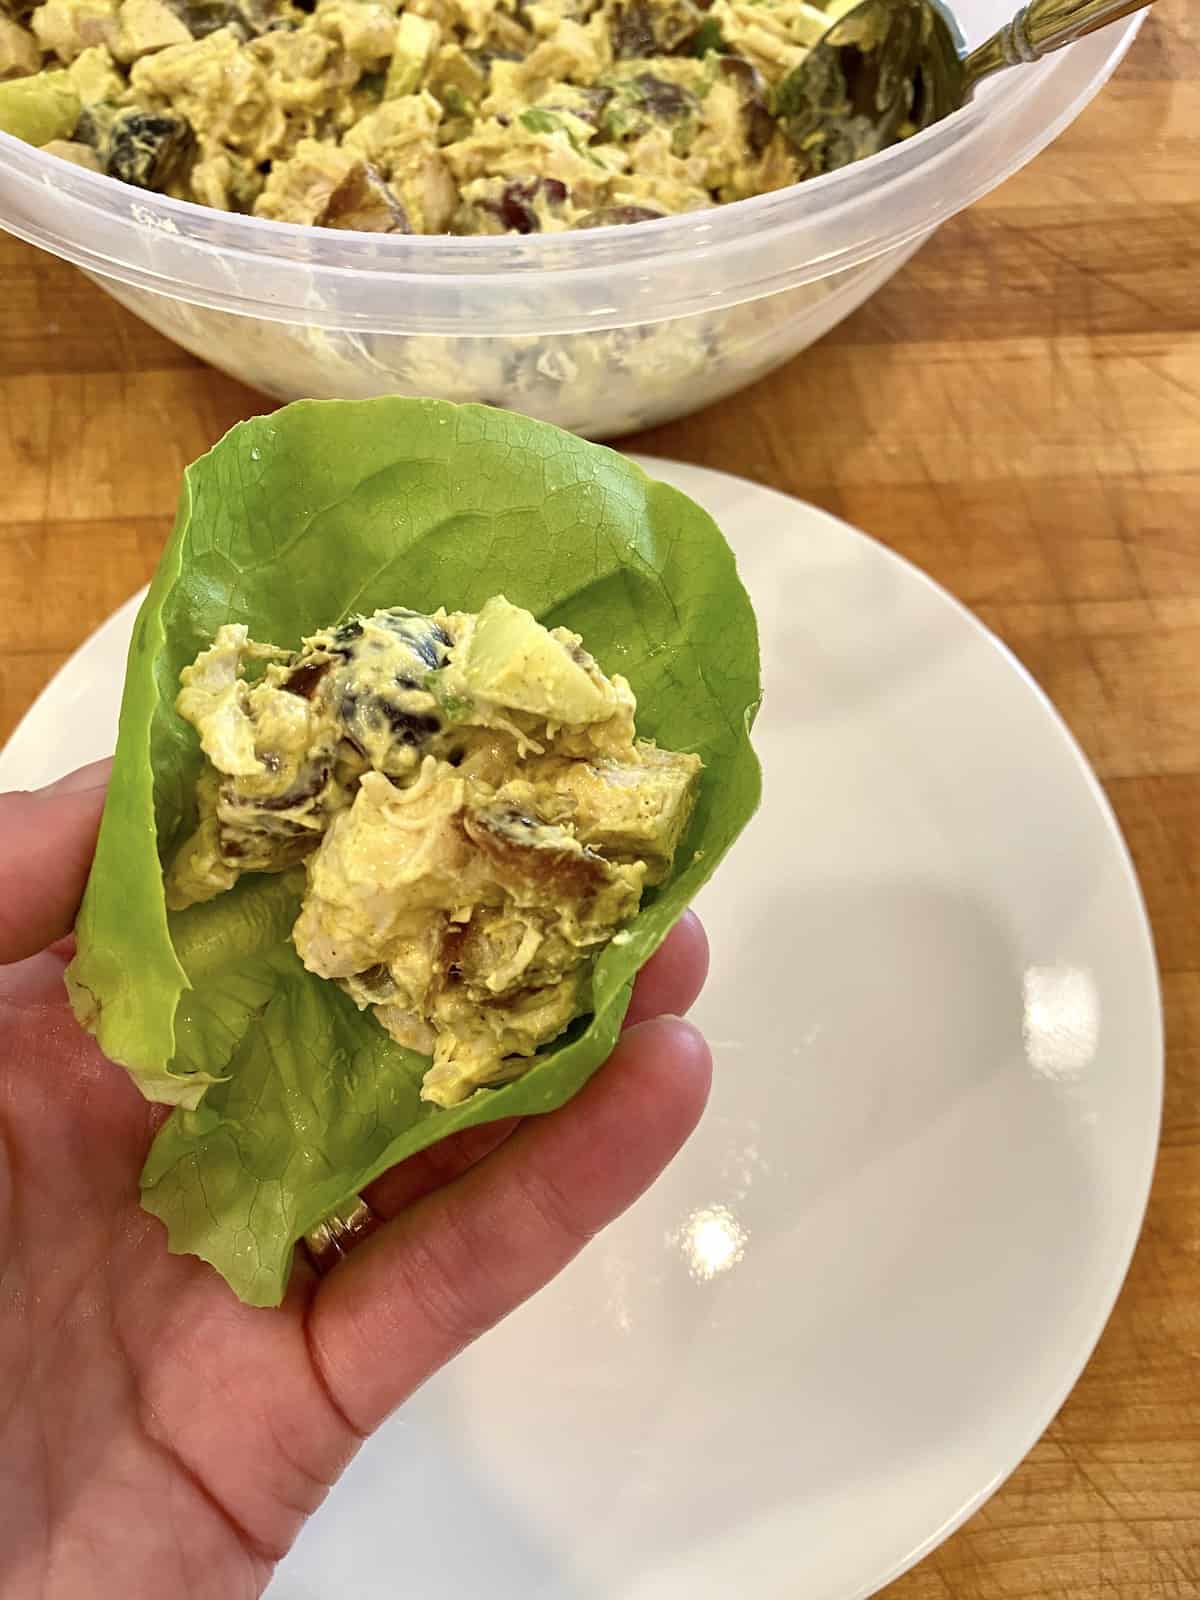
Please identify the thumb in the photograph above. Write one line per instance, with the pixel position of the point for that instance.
(47, 839)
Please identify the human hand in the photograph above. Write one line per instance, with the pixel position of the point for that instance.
(158, 1437)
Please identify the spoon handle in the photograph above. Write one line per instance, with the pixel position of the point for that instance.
(1039, 28)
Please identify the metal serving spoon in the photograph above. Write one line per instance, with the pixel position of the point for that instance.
(888, 68)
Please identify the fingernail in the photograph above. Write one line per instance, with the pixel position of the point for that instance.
(680, 1039)
(664, 1016)
(94, 776)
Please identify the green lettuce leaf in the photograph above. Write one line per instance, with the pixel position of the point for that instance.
(288, 1099)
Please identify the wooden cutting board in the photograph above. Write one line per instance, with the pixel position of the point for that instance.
(1019, 413)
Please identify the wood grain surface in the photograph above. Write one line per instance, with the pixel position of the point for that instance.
(1019, 413)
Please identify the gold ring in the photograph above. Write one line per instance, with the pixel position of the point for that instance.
(336, 1235)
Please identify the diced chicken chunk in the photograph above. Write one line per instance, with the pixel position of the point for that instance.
(80, 155)
(627, 809)
(145, 26)
(69, 27)
(20, 53)
(302, 188)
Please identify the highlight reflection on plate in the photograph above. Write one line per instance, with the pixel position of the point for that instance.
(712, 1241)
(869, 1281)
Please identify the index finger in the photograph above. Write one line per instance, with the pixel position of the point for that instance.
(667, 985)
(424, 1285)
(47, 839)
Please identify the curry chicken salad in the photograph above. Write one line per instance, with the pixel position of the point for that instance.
(435, 116)
(474, 810)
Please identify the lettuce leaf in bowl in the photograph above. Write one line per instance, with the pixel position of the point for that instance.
(288, 1100)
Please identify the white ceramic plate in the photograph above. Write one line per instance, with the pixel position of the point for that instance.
(861, 1293)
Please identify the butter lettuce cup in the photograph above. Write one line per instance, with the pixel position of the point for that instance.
(414, 586)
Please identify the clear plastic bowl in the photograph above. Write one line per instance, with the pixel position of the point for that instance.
(601, 332)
